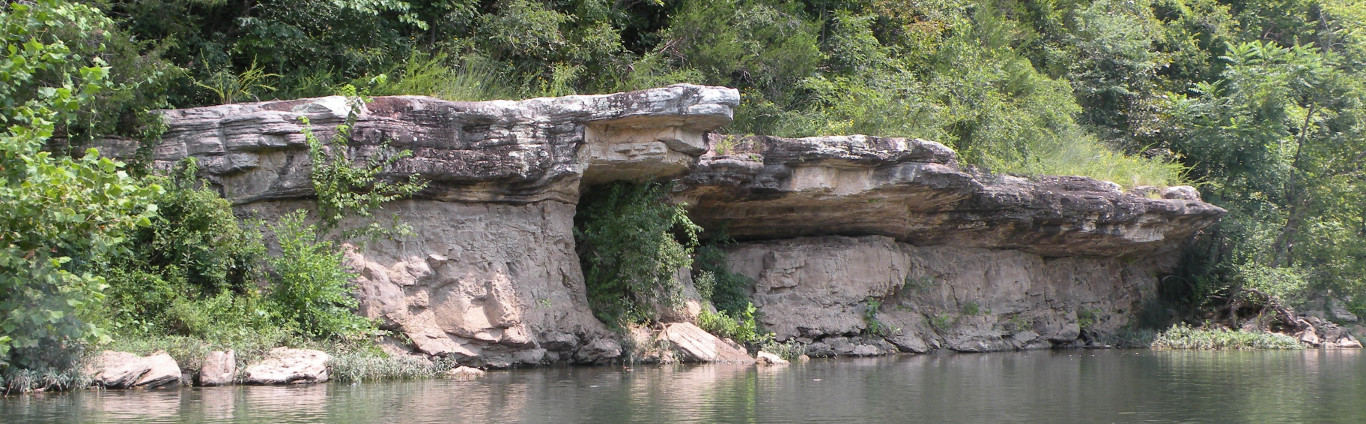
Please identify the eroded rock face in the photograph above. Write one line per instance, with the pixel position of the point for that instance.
(865, 245)
(921, 298)
(915, 192)
(496, 151)
(492, 278)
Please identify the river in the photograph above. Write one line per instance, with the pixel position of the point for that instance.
(1090, 386)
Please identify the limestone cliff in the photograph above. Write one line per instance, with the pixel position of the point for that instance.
(860, 245)
(890, 239)
(492, 277)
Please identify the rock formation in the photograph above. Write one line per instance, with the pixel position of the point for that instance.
(869, 238)
(696, 345)
(124, 370)
(219, 368)
(858, 245)
(492, 279)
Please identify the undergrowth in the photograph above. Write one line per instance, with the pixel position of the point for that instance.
(1182, 336)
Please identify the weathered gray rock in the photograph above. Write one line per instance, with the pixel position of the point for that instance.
(497, 151)
(284, 365)
(914, 192)
(599, 351)
(123, 370)
(1337, 311)
(220, 368)
(696, 345)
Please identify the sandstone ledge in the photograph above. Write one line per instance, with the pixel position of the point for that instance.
(916, 192)
(494, 151)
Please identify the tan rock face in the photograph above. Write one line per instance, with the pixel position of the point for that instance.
(220, 368)
(929, 255)
(696, 345)
(921, 298)
(123, 370)
(492, 279)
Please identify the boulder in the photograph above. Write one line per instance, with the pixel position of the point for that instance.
(696, 345)
(220, 368)
(765, 358)
(599, 351)
(463, 373)
(122, 370)
(1337, 311)
(284, 365)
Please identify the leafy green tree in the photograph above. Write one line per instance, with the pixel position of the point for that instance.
(59, 215)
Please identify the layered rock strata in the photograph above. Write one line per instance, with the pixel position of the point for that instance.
(858, 245)
(491, 277)
(866, 245)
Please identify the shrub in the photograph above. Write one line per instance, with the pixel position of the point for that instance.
(194, 251)
(790, 350)
(1182, 336)
(59, 216)
(311, 288)
(740, 327)
(727, 291)
(631, 242)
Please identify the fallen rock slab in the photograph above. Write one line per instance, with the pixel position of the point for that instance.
(220, 368)
(123, 370)
(696, 345)
(284, 365)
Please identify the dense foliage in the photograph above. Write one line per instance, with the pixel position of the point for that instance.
(632, 243)
(60, 216)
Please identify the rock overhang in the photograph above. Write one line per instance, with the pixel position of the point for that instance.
(915, 192)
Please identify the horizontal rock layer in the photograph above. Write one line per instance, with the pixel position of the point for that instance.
(915, 191)
(936, 256)
(495, 151)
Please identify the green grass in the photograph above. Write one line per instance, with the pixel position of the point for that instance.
(362, 365)
(1183, 336)
(24, 380)
(789, 350)
(1088, 157)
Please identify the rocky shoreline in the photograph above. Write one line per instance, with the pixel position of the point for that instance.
(857, 245)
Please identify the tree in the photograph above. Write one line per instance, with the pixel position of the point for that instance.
(58, 215)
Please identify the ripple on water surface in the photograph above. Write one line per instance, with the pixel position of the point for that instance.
(1041, 386)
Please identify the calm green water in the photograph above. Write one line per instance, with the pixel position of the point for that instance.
(1062, 386)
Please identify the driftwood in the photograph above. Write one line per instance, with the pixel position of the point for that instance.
(1270, 314)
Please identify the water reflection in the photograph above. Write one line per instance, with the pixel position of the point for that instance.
(1061, 386)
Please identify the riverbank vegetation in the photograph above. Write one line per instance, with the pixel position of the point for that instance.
(1257, 102)
(1182, 336)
